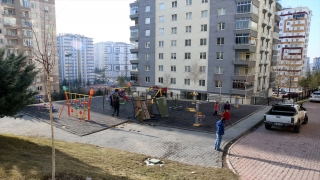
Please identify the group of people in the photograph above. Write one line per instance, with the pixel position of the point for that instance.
(220, 124)
(114, 98)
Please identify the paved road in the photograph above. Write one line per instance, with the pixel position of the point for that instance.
(279, 154)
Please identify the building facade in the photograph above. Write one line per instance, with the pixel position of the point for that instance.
(76, 59)
(114, 58)
(316, 64)
(230, 42)
(23, 26)
(293, 45)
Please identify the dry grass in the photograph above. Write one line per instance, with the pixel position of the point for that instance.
(30, 158)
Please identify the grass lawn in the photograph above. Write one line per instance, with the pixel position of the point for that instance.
(30, 158)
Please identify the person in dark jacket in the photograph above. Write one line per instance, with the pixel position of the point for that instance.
(219, 133)
(226, 106)
(116, 103)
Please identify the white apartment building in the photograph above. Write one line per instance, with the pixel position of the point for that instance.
(293, 45)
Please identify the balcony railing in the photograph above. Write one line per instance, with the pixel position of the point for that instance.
(262, 48)
(8, 2)
(275, 35)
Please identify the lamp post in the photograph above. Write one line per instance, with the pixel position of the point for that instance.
(289, 86)
(68, 55)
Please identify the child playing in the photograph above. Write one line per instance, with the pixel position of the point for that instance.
(226, 115)
(216, 108)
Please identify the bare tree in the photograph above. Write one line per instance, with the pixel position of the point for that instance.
(195, 75)
(166, 80)
(42, 45)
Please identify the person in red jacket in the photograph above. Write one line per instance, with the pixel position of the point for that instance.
(226, 115)
(216, 108)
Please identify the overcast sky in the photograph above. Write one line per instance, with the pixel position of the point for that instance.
(108, 20)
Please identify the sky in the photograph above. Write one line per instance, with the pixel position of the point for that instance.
(108, 20)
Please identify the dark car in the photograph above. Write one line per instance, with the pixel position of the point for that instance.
(291, 94)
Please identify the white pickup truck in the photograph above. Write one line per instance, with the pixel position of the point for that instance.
(286, 115)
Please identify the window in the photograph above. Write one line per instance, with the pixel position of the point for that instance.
(161, 43)
(34, 15)
(218, 84)
(161, 6)
(147, 33)
(203, 55)
(221, 26)
(219, 70)
(147, 56)
(33, 5)
(160, 67)
(47, 17)
(27, 42)
(174, 30)
(188, 2)
(161, 31)
(13, 21)
(219, 55)
(39, 88)
(147, 67)
(187, 81)
(204, 13)
(147, 21)
(202, 82)
(148, 79)
(173, 68)
(203, 41)
(203, 27)
(221, 11)
(173, 42)
(173, 56)
(186, 68)
(187, 55)
(174, 4)
(187, 42)
(204, 1)
(245, 23)
(147, 45)
(1, 41)
(160, 55)
(173, 80)
(220, 41)
(46, 9)
(188, 29)
(174, 17)
(202, 69)
(247, 7)
(243, 39)
(288, 23)
(161, 19)
(160, 79)
(147, 9)
(189, 15)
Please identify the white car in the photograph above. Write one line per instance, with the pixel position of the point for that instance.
(315, 96)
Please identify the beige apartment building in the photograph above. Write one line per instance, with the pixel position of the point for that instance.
(22, 21)
(293, 46)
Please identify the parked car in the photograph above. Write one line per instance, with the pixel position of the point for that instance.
(286, 115)
(292, 95)
(315, 96)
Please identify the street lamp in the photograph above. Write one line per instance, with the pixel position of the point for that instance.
(289, 86)
(68, 55)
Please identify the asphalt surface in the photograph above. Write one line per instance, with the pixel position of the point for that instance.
(279, 153)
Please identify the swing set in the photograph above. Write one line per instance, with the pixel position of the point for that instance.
(77, 105)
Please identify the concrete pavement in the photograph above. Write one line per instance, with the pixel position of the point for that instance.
(279, 153)
(191, 147)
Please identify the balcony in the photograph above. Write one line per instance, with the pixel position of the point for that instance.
(273, 63)
(272, 84)
(271, 1)
(265, 8)
(274, 50)
(253, 16)
(263, 61)
(134, 16)
(259, 87)
(276, 29)
(268, 37)
(270, 12)
(262, 48)
(278, 6)
(274, 58)
(134, 71)
(269, 25)
(263, 35)
(134, 10)
(243, 92)
(9, 2)
(264, 22)
(244, 62)
(264, 86)
(275, 35)
(134, 35)
(251, 46)
(260, 74)
(134, 61)
(273, 74)
(267, 49)
(253, 32)
(243, 77)
(134, 49)
(277, 18)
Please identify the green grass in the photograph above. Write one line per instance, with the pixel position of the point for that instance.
(30, 158)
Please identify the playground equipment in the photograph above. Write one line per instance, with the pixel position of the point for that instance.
(78, 104)
(44, 104)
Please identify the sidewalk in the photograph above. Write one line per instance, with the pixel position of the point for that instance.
(191, 147)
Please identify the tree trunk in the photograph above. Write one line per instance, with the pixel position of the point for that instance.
(52, 130)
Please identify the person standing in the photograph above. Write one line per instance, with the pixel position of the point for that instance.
(216, 108)
(116, 103)
(226, 106)
(219, 133)
(226, 115)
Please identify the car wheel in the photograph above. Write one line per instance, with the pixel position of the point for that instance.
(305, 120)
(267, 126)
(296, 129)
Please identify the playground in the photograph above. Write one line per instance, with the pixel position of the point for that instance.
(83, 115)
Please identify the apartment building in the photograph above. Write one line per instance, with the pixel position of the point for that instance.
(114, 58)
(293, 45)
(316, 64)
(76, 59)
(231, 42)
(18, 21)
